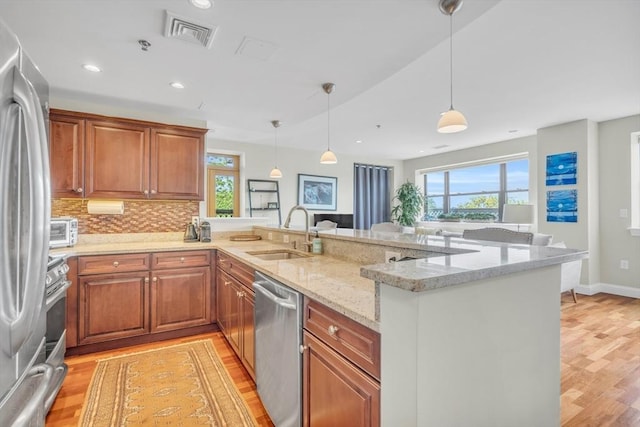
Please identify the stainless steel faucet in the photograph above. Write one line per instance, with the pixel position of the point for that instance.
(307, 242)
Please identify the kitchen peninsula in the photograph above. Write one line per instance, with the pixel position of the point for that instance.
(469, 330)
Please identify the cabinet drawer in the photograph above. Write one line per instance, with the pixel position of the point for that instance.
(242, 272)
(162, 260)
(100, 264)
(354, 341)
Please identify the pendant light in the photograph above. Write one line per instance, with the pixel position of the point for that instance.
(328, 157)
(275, 172)
(452, 121)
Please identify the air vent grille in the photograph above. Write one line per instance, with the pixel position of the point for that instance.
(186, 29)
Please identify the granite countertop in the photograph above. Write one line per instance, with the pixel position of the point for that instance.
(330, 281)
(487, 260)
(348, 287)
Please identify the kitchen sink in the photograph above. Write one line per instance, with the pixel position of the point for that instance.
(278, 254)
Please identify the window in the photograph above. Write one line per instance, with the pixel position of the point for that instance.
(223, 185)
(477, 191)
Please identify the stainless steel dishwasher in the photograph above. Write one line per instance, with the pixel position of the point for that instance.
(278, 316)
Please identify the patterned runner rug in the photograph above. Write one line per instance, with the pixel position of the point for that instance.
(181, 385)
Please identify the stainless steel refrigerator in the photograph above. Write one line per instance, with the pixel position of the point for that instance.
(24, 235)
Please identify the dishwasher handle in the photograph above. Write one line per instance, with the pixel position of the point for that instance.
(282, 302)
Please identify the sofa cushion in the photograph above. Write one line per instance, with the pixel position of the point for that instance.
(540, 239)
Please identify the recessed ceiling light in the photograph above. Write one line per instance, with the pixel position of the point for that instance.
(201, 4)
(92, 68)
(176, 85)
(359, 141)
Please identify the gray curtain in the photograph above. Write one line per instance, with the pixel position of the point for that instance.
(371, 195)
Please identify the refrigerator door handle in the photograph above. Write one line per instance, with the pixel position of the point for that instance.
(33, 282)
(7, 299)
(282, 302)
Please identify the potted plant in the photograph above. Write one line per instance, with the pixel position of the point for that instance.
(411, 203)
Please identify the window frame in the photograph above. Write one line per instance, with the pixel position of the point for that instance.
(214, 170)
(502, 190)
(634, 228)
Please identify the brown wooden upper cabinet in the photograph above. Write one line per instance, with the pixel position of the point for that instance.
(104, 157)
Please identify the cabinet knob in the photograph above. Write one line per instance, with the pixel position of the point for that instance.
(181, 259)
(79, 190)
(155, 279)
(146, 280)
(153, 191)
(116, 264)
(146, 191)
(332, 329)
(227, 283)
(303, 348)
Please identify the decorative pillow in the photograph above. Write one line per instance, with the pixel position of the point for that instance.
(540, 239)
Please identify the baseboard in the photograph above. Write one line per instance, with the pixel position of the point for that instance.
(608, 288)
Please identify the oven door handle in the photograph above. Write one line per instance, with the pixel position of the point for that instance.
(58, 294)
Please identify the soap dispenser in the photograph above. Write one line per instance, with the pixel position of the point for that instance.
(316, 246)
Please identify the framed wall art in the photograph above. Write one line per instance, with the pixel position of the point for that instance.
(562, 206)
(318, 193)
(562, 169)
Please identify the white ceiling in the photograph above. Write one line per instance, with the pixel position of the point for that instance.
(518, 65)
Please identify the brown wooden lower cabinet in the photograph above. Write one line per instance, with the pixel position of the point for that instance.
(113, 306)
(335, 391)
(180, 298)
(248, 331)
(235, 299)
(133, 295)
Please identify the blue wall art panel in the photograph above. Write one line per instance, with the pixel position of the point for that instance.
(562, 169)
(562, 206)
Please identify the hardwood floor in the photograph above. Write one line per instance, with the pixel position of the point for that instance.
(600, 368)
(600, 382)
(68, 405)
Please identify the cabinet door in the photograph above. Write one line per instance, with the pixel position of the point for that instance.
(180, 298)
(113, 306)
(248, 356)
(234, 319)
(66, 155)
(177, 164)
(335, 392)
(117, 160)
(223, 292)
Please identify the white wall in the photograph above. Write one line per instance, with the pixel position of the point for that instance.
(581, 137)
(258, 160)
(616, 242)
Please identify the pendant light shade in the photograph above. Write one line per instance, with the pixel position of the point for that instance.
(451, 121)
(275, 172)
(328, 157)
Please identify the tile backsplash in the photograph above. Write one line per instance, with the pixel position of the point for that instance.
(138, 217)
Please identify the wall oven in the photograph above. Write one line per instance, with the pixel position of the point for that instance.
(56, 285)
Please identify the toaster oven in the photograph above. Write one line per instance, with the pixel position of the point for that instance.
(64, 232)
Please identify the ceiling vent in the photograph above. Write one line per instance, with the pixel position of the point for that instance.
(186, 29)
